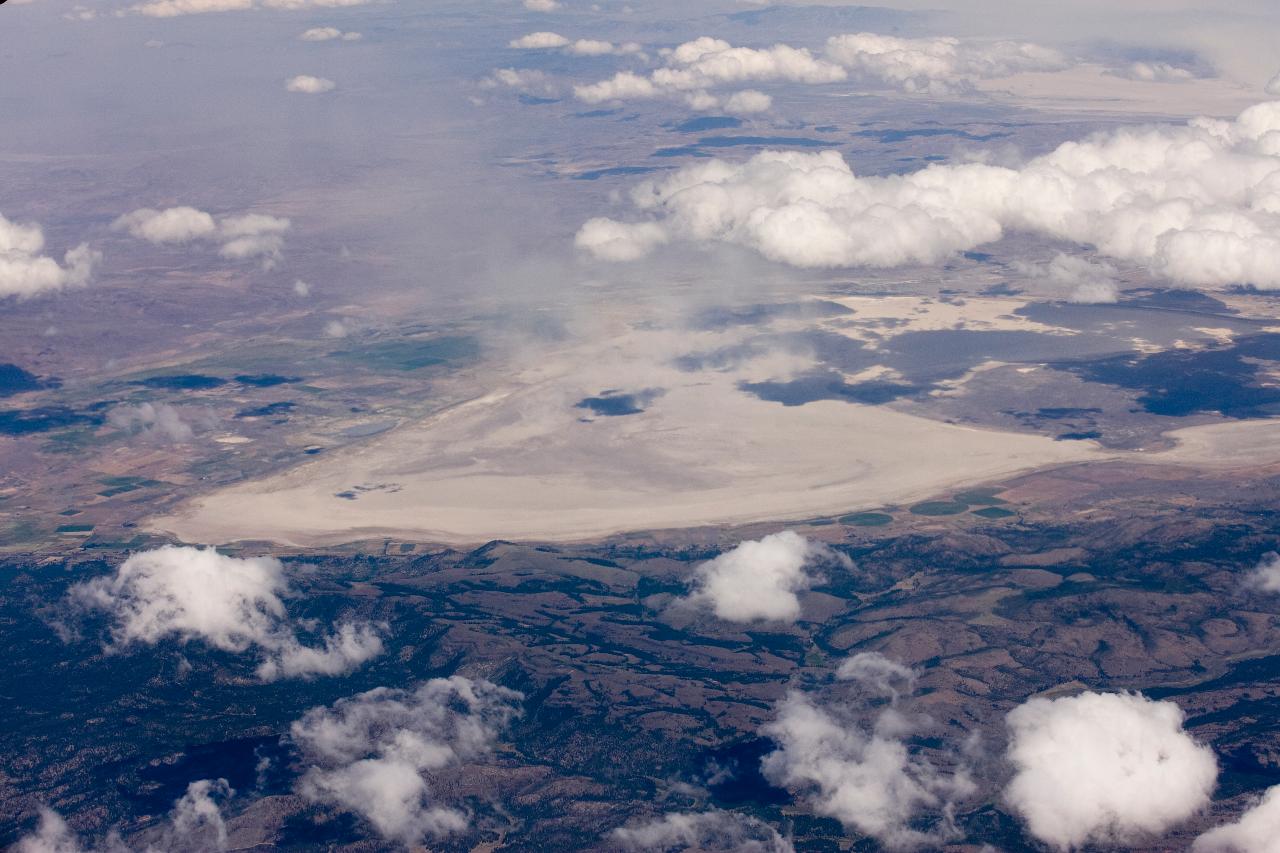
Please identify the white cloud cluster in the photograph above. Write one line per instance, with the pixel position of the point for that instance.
(370, 753)
(229, 603)
(178, 8)
(51, 836)
(1266, 575)
(305, 84)
(1156, 72)
(705, 63)
(195, 823)
(1085, 282)
(329, 34)
(759, 579)
(520, 79)
(869, 780)
(541, 5)
(936, 66)
(159, 421)
(879, 674)
(577, 47)
(25, 271)
(1273, 86)
(707, 831)
(1198, 204)
(1257, 830)
(248, 235)
(1105, 768)
(746, 102)
(538, 41)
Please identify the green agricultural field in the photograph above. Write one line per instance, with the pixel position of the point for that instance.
(939, 508)
(866, 519)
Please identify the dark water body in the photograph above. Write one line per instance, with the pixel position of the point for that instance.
(45, 419)
(1255, 671)
(803, 21)
(268, 410)
(702, 124)
(1178, 300)
(828, 385)
(1060, 412)
(412, 353)
(1161, 325)
(614, 171)
(789, 141)
(722, 358)
(922, 358)
(697, 149)
(15, 380)
(1224, 380)
(753, 315)
(928, 356)
(734, 774)
(233, 760)
(891, 136)
(612, 404)
(265, 380)
(183, 382)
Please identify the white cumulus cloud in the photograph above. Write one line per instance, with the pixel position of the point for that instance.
(866, 777)
(541, 5)
(1156, 72)
(538, 41)
(1198, 204)
(1105, 768)
(226, 602)
(178, 8)
(307, 85)
(373, 753)
(1257, 830)
(328, 34)
(706, 831)
(746, 102)
(879, 674)
(579, 47)
(617, 241)
(759, 579)
(599, 47)
(242, 236)
(1082, 281)
(704, 63)
(172, 225)
(520, 79)
(195, 823)
(159, 421)
(25, 271)
(1266, 575)
(935, 66)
